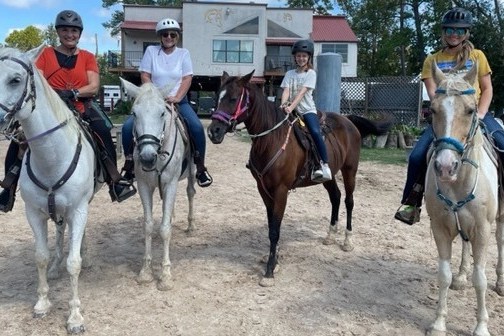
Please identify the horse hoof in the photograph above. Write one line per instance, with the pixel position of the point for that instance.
(267, 282)
(433, 332)
(78, 329)
(458, 283)
(329, 241)
(38, 315)
(347, 247)
(165, 285)
(499, 290)
(144, 277)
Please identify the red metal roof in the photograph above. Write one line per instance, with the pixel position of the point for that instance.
(335, 28)
(139, 25)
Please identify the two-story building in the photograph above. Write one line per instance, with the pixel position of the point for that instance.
(237, 38)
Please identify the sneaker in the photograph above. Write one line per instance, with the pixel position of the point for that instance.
(7, 198)
(408, 214)
(121, 191)
(323, 173)
(204, 179)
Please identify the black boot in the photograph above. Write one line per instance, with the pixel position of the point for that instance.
(127, 171)
(7, 198)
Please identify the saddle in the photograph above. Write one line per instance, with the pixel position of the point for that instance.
(305, 140)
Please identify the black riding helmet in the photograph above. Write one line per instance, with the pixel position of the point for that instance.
(68, 18)
(457, 18)
(303, 45)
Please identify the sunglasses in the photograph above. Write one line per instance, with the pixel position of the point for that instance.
(455, 31)
(171, 34)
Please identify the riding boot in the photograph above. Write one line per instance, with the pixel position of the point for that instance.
(127, 170)
(202, 176)
(8, 194)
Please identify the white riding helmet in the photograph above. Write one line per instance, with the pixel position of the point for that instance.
(167, 24)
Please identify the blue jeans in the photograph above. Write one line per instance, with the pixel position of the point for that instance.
(313, 124)
(194, 126)
(417, 163)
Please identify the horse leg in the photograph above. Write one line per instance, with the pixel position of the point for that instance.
(444, 247)
(191, 191)
(349, 183)
(76, 225)
(54, 268)
(479, 278)
(86, 261)
(39, 228)
(335, 198)
(275, 209)
(459, 281)
(499, 234)
(170, 190)
(145, 275)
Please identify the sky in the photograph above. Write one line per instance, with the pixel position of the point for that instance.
(18, 14)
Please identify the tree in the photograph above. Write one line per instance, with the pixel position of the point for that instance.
(25, 39)
(321, 7)
(117, 16)
(50, 35)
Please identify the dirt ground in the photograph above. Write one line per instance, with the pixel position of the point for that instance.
(386, 286)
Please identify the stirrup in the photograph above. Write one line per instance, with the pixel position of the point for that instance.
(126, 191)
(410, 214)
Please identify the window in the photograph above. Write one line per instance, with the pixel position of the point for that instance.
(341, 49)
(233, 51)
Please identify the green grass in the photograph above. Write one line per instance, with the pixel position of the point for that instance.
(384, 155)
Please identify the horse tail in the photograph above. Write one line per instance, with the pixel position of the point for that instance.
(367, 127)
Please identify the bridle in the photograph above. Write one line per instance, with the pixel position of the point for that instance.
(29, 93)
(462, 150)
(232, 120)
(158, 141)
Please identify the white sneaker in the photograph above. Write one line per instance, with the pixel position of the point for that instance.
(322, 174)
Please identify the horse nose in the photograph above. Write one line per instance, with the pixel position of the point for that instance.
(215, 133)
(447, 170)
(148, 160)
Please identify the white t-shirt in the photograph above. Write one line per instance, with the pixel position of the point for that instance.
(295, 81)
(166, 69)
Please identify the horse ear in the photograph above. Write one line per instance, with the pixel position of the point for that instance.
(470, 76)
(35, 52)
(246, 79)
(224, 77)
(130, 88)
(437, 74)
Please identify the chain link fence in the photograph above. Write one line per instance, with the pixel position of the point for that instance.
(376, 97)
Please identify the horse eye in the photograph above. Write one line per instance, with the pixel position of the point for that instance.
(133, 114)
(15, 80)
(471, 111)
(162, 115)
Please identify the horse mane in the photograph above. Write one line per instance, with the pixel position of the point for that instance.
(59, 108)
(265, 113)
(148, 90)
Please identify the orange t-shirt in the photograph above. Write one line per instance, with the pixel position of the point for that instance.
(67, 79)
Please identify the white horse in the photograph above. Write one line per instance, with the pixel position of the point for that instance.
(462, 196)
(162, 157)
(57, 178)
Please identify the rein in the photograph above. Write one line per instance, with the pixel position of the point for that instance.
(461, 149)
(231, 121)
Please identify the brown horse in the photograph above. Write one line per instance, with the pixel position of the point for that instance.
(280, 163)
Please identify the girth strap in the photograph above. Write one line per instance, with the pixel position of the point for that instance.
(51, 202)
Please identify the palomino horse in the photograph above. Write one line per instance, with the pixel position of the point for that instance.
(162, 157)
(57, 178)
(279, 163)
(462, 192)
